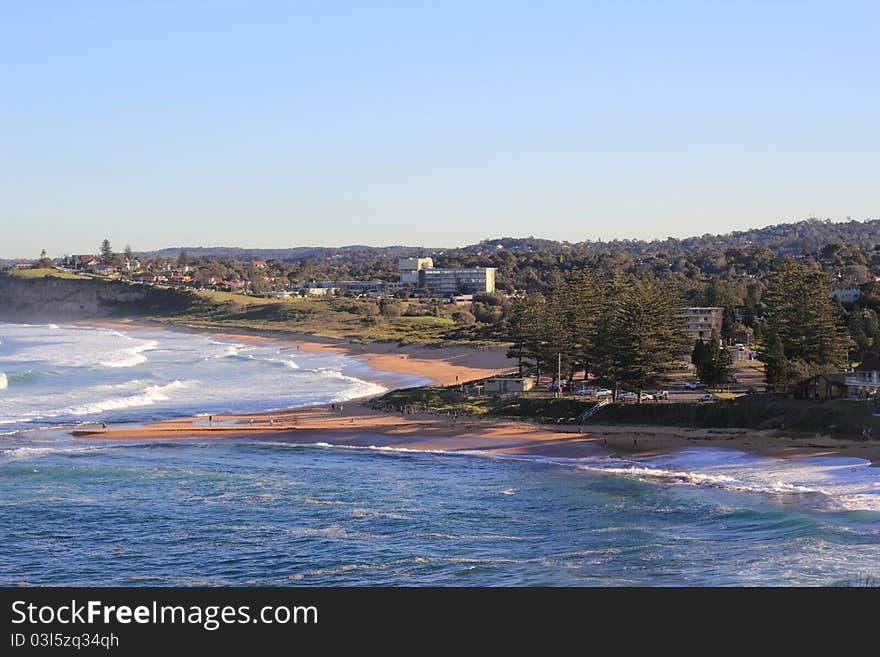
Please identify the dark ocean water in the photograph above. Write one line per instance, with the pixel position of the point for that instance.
(249, 513)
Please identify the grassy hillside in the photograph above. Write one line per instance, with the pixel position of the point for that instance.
(35, 294)
(355, 319)
(42, 273)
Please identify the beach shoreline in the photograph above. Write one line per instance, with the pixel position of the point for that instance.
(442, 365)
(355, 424)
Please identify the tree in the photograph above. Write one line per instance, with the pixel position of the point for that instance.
(728, 323)
(182, 259)
(525, 330)
(776, 367)
(106, 252)
(802, 317)
(643, 334)
(713, 361)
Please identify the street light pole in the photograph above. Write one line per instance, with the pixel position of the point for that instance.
(558, 375)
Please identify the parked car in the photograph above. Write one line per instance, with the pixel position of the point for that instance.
(661, 394)
(647, 396)
(691, 386)
(708, 398)
(557, 385)
(626, 395)
(587, 391)
(603, 392)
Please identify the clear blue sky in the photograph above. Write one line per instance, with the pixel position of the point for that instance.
(436, 123)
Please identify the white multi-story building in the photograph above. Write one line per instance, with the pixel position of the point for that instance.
(701, 321)
(420, 273)
(411, 268)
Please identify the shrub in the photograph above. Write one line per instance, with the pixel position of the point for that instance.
(463, 318)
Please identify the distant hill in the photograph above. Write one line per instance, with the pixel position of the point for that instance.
(289, 255)
(807, 236)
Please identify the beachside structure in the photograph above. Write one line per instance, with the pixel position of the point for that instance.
(865, 381)
(845, 295)
(421, 273)
(823, 386)
(502, 385)
(701, 321)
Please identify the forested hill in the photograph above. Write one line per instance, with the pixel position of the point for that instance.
(293, 254)
(803, 237)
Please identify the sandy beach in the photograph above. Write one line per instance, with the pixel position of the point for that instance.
(354, 423)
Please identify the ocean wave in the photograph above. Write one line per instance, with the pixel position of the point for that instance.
(131, 356)
(703, 479)
(151, 395)
(372, 448)
(851, 485)
(17, 453)
(7, 380)
(232, 350)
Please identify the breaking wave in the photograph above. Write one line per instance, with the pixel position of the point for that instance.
(131, 356)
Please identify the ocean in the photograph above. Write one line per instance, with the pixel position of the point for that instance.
(266, 512)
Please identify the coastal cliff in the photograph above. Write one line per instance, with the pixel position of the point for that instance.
(51, 298)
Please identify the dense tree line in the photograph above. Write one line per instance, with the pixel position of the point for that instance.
(625, 331)
(804, 331)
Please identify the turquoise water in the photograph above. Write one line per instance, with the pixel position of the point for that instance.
(248, 513)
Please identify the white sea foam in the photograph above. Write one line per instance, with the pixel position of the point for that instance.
(836, 482)
(151, 395)
(17, 453)
(80, 371)
(4, 382)
(131, 356)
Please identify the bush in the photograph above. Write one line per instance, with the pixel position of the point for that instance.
(390, 308)
(463, 318)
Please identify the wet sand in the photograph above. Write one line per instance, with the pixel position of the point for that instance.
(355, 424)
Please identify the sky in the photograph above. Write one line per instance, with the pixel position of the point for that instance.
(280, 124)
